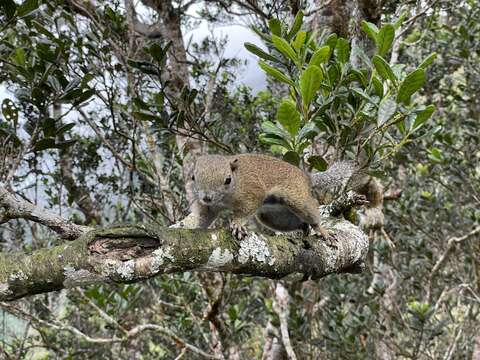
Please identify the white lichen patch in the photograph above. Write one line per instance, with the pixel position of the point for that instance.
(255, 248)
(330, 260)
(159, 257)
(5, 290)
(352, 245)
(80, 277)
(219, 258)
(126, 269)
(325, 210)
(18, 276)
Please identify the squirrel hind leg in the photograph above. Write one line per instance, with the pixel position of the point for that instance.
(278, 217)
(306, 211)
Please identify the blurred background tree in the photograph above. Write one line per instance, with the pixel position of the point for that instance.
(106, 103)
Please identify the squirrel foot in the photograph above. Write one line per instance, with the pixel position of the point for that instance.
(239, 231)
(327, 236)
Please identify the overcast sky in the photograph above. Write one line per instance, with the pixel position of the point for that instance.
(237, 35)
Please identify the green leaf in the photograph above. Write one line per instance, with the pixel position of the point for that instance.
(270, 128)
(292, 157)
(297, 24)
(377, 86)
(277, 74)
(428, 61)
(43, 144)
(385, 39)
(359, 76)
(411, 84)
(435, 154)
(310, 82)
(331, 41)
(318, 162)
(144, 115)
(400, 20)
(386, 110)
(157, 52)
(275, 27)
(309, 130)
(45, 52)
(342, 50)
(289, 117)
(9, 136)
(144, 66)
(273, 140)
(363, 94)
(27, 7)
(370, 29)
(423, 116)
(10, 111)
(140, 104)
(41, 29)
(284, 47)
(254, 49)
(84, 96)
(64, 144)
(320, 56)
(19, 56)
(9, 7)
(299, 40)
(262, 35)
(384, 69)
(49, 127)
(64, 128)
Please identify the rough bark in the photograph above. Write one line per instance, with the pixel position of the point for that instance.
(334, 16)
(15, 207)
(127, 254)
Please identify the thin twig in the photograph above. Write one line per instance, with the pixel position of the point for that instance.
(281, 308)
(451, 243)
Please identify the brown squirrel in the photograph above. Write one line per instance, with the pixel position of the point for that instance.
(277, 193)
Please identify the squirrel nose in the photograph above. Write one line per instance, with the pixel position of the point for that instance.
(207, 198)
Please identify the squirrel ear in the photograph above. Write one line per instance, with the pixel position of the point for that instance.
(234, 164)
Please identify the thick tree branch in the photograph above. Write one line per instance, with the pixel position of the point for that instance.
(15, 207)
(132, 253)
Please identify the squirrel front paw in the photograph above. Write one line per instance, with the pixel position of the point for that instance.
(327, 236)
(238, 230)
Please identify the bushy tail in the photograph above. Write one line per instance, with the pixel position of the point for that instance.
(348, 175)
(341, 174)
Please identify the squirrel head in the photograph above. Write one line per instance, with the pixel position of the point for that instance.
(214, 179)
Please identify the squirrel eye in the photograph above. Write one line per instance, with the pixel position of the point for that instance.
(228, 180)
(193, 177)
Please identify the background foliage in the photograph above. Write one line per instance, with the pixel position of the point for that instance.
(90, 129)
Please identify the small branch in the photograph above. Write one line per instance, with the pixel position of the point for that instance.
(413, 19)
(100, 312)
(280, 306)
(451, 243)
(18, 208)
(134, 332)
